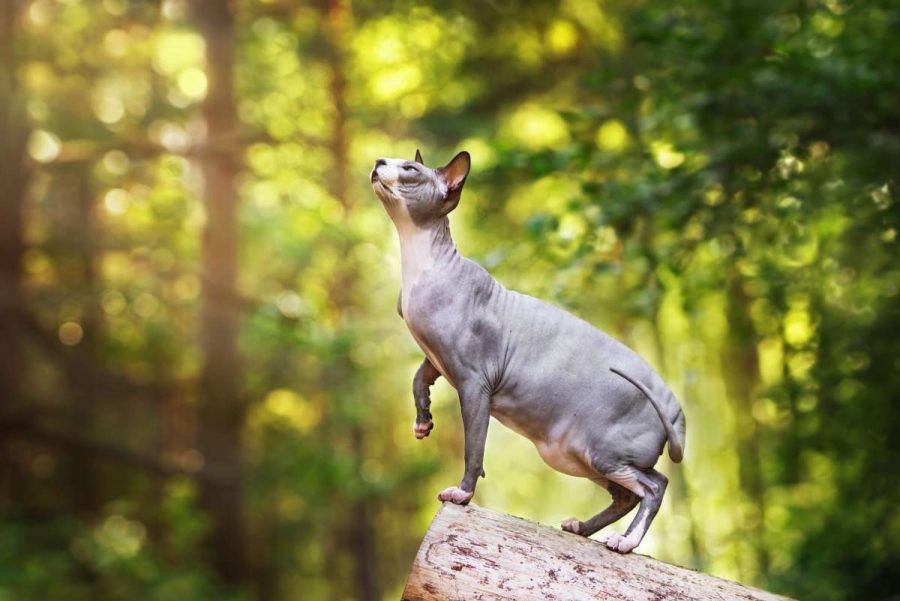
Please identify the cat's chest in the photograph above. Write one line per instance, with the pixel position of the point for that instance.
(414, 269)
(430, 352)
(425, 326)
(427, 296)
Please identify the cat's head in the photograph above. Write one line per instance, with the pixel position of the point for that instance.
(412, 192)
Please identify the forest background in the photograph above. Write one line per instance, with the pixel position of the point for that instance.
(205, 387)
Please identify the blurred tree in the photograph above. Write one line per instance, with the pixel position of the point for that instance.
(221, 404)
(360, 529)
(14, 173)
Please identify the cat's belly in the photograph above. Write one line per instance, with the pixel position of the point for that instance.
(566, 458)
(556, 445)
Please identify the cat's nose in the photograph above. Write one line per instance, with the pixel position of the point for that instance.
(373, 177)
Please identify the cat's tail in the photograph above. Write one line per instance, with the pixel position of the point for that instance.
(675, 429)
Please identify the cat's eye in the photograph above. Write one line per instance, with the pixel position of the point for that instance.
(409, 168)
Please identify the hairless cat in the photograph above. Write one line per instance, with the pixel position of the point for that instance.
(592, 406)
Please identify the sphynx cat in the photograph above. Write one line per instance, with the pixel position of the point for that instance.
(592, 406)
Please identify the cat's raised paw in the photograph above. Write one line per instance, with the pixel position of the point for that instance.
(423, 429)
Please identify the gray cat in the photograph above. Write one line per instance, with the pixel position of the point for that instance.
(591, 406)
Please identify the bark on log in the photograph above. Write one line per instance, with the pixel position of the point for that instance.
(473, 553)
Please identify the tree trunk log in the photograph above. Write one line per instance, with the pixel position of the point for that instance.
(473, 553)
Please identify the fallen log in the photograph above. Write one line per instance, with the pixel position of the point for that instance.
(471, 553)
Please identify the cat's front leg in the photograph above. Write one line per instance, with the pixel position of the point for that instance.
(425, 376)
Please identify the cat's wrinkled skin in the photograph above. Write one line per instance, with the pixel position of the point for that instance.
(591, 406)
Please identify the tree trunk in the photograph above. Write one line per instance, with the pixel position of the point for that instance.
(13, 175)
(360, 529)
(473, 553)
(742, 379)
(78, 232)
(221, 406)
(678, 488)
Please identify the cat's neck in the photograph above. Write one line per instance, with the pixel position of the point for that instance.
(421, 248)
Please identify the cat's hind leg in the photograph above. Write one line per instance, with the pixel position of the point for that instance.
(623, 501)
(650, 486)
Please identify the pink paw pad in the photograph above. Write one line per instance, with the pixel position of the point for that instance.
(424, 429)
(572, 525)
(455, 494)
(619, 543)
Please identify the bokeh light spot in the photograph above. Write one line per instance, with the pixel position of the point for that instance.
(192, 83)
(289, 304)
(561, 37)
(612, 136)
(116, 42)
(666, 156)
(70, 333)
(116, 162)
(535, 127)
(177, 51)
(113, 302)
(145, 304)
(43, 146)
(116, 201)
(289, 407)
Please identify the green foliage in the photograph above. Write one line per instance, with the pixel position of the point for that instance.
(114, 557)
(764, 168)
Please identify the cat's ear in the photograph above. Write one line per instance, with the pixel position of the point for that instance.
(454, 174)
(419, 157)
